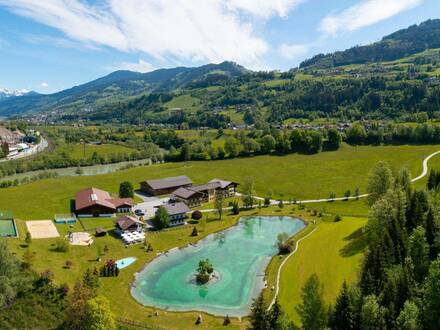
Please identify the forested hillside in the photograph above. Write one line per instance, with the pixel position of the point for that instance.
(397, 78)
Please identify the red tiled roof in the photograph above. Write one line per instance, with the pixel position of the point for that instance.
(93, 196)
(127, 221)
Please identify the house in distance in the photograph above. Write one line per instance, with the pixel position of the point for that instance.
(93, 202)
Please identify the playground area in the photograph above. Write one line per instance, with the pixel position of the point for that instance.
(80, 238)
(42, 229)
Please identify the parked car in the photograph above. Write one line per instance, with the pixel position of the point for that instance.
(139, 213)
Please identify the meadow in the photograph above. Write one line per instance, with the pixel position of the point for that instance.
(293, 176)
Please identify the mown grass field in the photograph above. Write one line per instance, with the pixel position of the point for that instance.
(333, 252)
(293, 176)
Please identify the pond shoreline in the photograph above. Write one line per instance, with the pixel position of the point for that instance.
(260, 275)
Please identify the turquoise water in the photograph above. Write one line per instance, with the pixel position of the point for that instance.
(7, 228)
(122, 263)
(239, 255)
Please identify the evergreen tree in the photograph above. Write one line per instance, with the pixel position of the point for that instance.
(408, 318)
(312, 310)
(431, 297)
(91, 280)
(418, 206)
(419, 252)
(431, 234)
(342, 317)
(259, 318)
(275, 315)
(372, 314)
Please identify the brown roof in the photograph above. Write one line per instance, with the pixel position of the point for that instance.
(206, 186)
(223, 183)
(168, 183)
(176, 208)
(184, 193)
(118, 202)
(127, 221)
(93, 196)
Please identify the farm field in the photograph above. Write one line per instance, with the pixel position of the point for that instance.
(293, 176)
(333, 252)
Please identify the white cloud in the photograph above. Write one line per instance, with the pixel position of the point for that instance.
(140, 66)
(293, 51)
(366, 12)
(264, 8)
(44, 85)
(206, 30)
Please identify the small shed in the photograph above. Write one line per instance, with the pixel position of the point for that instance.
(99, 232)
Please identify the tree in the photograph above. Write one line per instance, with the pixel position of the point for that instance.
(28, 238)
(235, 208)
(75, 316)
(372, 314)
(343, 315)
(281, 204)
(408, 318)
(419, 252)
(334, 138)
(232, 147)
(161, 218)
(312, 310)
(91, 281)
(379, 181)
(204, 271)
(268, 143)
(248, 192)
(219, 204)
(98, 315)
(431, 297)
(431, 234)
(126, 190)
(259, 318)
(5, 148)
(275, 316)
(266, 201)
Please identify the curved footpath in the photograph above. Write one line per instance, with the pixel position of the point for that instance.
(277, 287)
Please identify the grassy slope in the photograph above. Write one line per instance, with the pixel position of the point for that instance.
(292, 176)
(333, 252)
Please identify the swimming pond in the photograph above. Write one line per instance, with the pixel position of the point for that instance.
(239, 255)
(7, 228)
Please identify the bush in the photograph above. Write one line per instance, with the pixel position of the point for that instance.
(194, 232)
(337, 218)
(235, 208)
(61, 245)
(196, 215)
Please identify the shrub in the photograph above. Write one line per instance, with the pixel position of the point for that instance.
(68, 264)
(337, 218)
(196, 215)
(194, 232)
(235, 208)
(61, 245)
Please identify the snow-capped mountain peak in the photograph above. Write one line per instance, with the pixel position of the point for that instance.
(5, 92)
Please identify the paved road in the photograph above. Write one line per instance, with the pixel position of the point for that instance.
(32, 151)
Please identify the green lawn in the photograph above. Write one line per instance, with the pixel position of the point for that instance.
(333, 252)
(292, 176)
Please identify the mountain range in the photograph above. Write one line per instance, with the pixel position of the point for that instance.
(8, 93)
(130, 96)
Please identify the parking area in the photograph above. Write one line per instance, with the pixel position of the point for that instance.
(149, 204)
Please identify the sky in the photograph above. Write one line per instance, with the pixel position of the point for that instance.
(51, 45)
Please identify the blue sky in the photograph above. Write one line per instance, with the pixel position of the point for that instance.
(50, 45)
